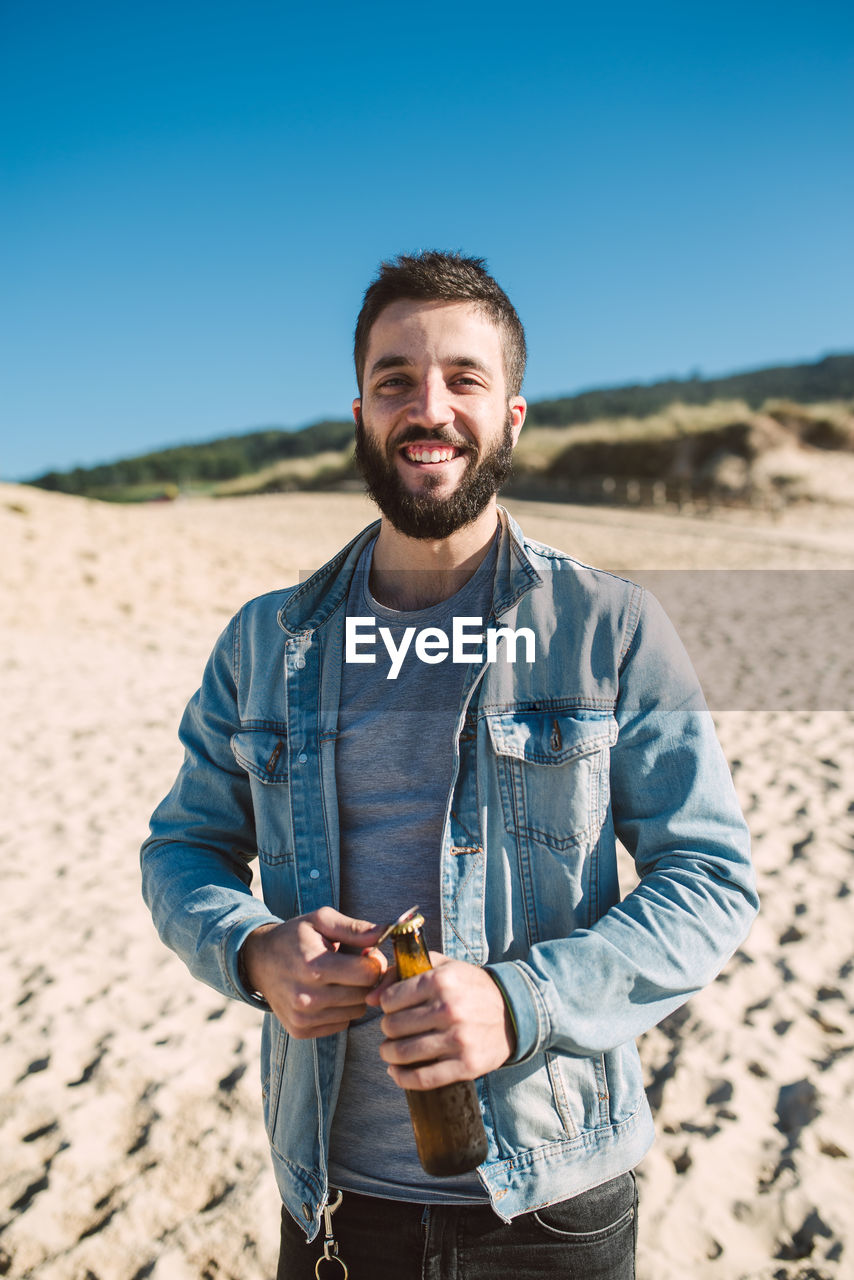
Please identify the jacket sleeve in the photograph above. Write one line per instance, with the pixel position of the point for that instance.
(675, 810)
(195, 864)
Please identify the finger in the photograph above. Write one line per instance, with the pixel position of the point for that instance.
(431, 1075)
(310, 1013)
(409, 992)
(317, 1031)
(321, 1002)
(376, 958)
(416, 1050)
(337, 927)
(389, 979)
(416, 1020)
(339, 968)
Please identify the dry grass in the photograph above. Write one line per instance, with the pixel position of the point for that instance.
(290, 473)
(801, 438)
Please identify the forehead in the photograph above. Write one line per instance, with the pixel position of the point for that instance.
(425, 331)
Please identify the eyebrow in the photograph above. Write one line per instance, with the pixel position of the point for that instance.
(403, 362)
(388, 362)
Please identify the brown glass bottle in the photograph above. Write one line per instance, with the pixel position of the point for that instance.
(449, 1133)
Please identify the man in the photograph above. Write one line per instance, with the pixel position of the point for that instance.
(450, 714)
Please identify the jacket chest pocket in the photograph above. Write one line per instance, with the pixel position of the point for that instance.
(553, 773)
(263, 753)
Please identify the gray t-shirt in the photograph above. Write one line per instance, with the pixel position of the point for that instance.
(393, 764)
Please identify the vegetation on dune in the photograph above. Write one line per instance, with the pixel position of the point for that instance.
(722, 452)
(829, 379)
(702, 435)
(647, 447)
(199, 466)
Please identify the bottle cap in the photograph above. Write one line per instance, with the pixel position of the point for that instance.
(410, 924)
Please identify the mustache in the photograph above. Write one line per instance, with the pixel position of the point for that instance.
(438, 435)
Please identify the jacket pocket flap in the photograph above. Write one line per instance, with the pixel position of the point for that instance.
(551, 737)
(263, 752)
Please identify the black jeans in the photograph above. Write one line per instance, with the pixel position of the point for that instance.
(590, 1237)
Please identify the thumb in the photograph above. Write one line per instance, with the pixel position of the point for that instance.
(336, 927)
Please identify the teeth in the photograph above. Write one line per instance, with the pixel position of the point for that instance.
(431, 455)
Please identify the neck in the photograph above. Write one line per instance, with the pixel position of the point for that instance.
(415, 573)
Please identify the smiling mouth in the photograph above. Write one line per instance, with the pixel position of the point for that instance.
(431, 453)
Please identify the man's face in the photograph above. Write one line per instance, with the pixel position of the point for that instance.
(434, 429)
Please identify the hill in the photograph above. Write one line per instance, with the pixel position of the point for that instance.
(630, 431)
(831, 378)
(198, 465)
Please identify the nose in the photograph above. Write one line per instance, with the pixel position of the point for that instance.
(431, 402)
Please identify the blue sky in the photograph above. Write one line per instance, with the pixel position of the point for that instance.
(195, 195)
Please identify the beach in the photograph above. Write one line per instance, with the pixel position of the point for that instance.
(130, 1112)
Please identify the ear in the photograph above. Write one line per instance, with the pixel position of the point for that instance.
(518, 408)
(357, 409)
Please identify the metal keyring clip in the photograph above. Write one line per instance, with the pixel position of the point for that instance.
(330, 1244)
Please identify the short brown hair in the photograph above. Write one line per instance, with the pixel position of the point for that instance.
(434, 276)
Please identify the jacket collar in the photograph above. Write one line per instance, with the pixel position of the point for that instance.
(313, 602)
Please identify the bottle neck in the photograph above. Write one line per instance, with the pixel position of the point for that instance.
(410, 952)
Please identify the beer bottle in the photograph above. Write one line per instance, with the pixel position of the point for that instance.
(449, 1133)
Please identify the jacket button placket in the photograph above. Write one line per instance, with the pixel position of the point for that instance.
(314, 890)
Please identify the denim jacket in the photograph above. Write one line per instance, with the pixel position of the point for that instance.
(604, 735)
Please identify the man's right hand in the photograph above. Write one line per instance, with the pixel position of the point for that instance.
(300, 967)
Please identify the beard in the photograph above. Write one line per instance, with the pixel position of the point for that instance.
(421, 515)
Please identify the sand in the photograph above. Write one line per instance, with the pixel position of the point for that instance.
(130, 1126)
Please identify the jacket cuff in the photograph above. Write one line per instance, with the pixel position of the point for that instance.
(232, 963)
(527, 1009)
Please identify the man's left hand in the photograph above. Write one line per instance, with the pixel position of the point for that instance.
(449, 1023)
